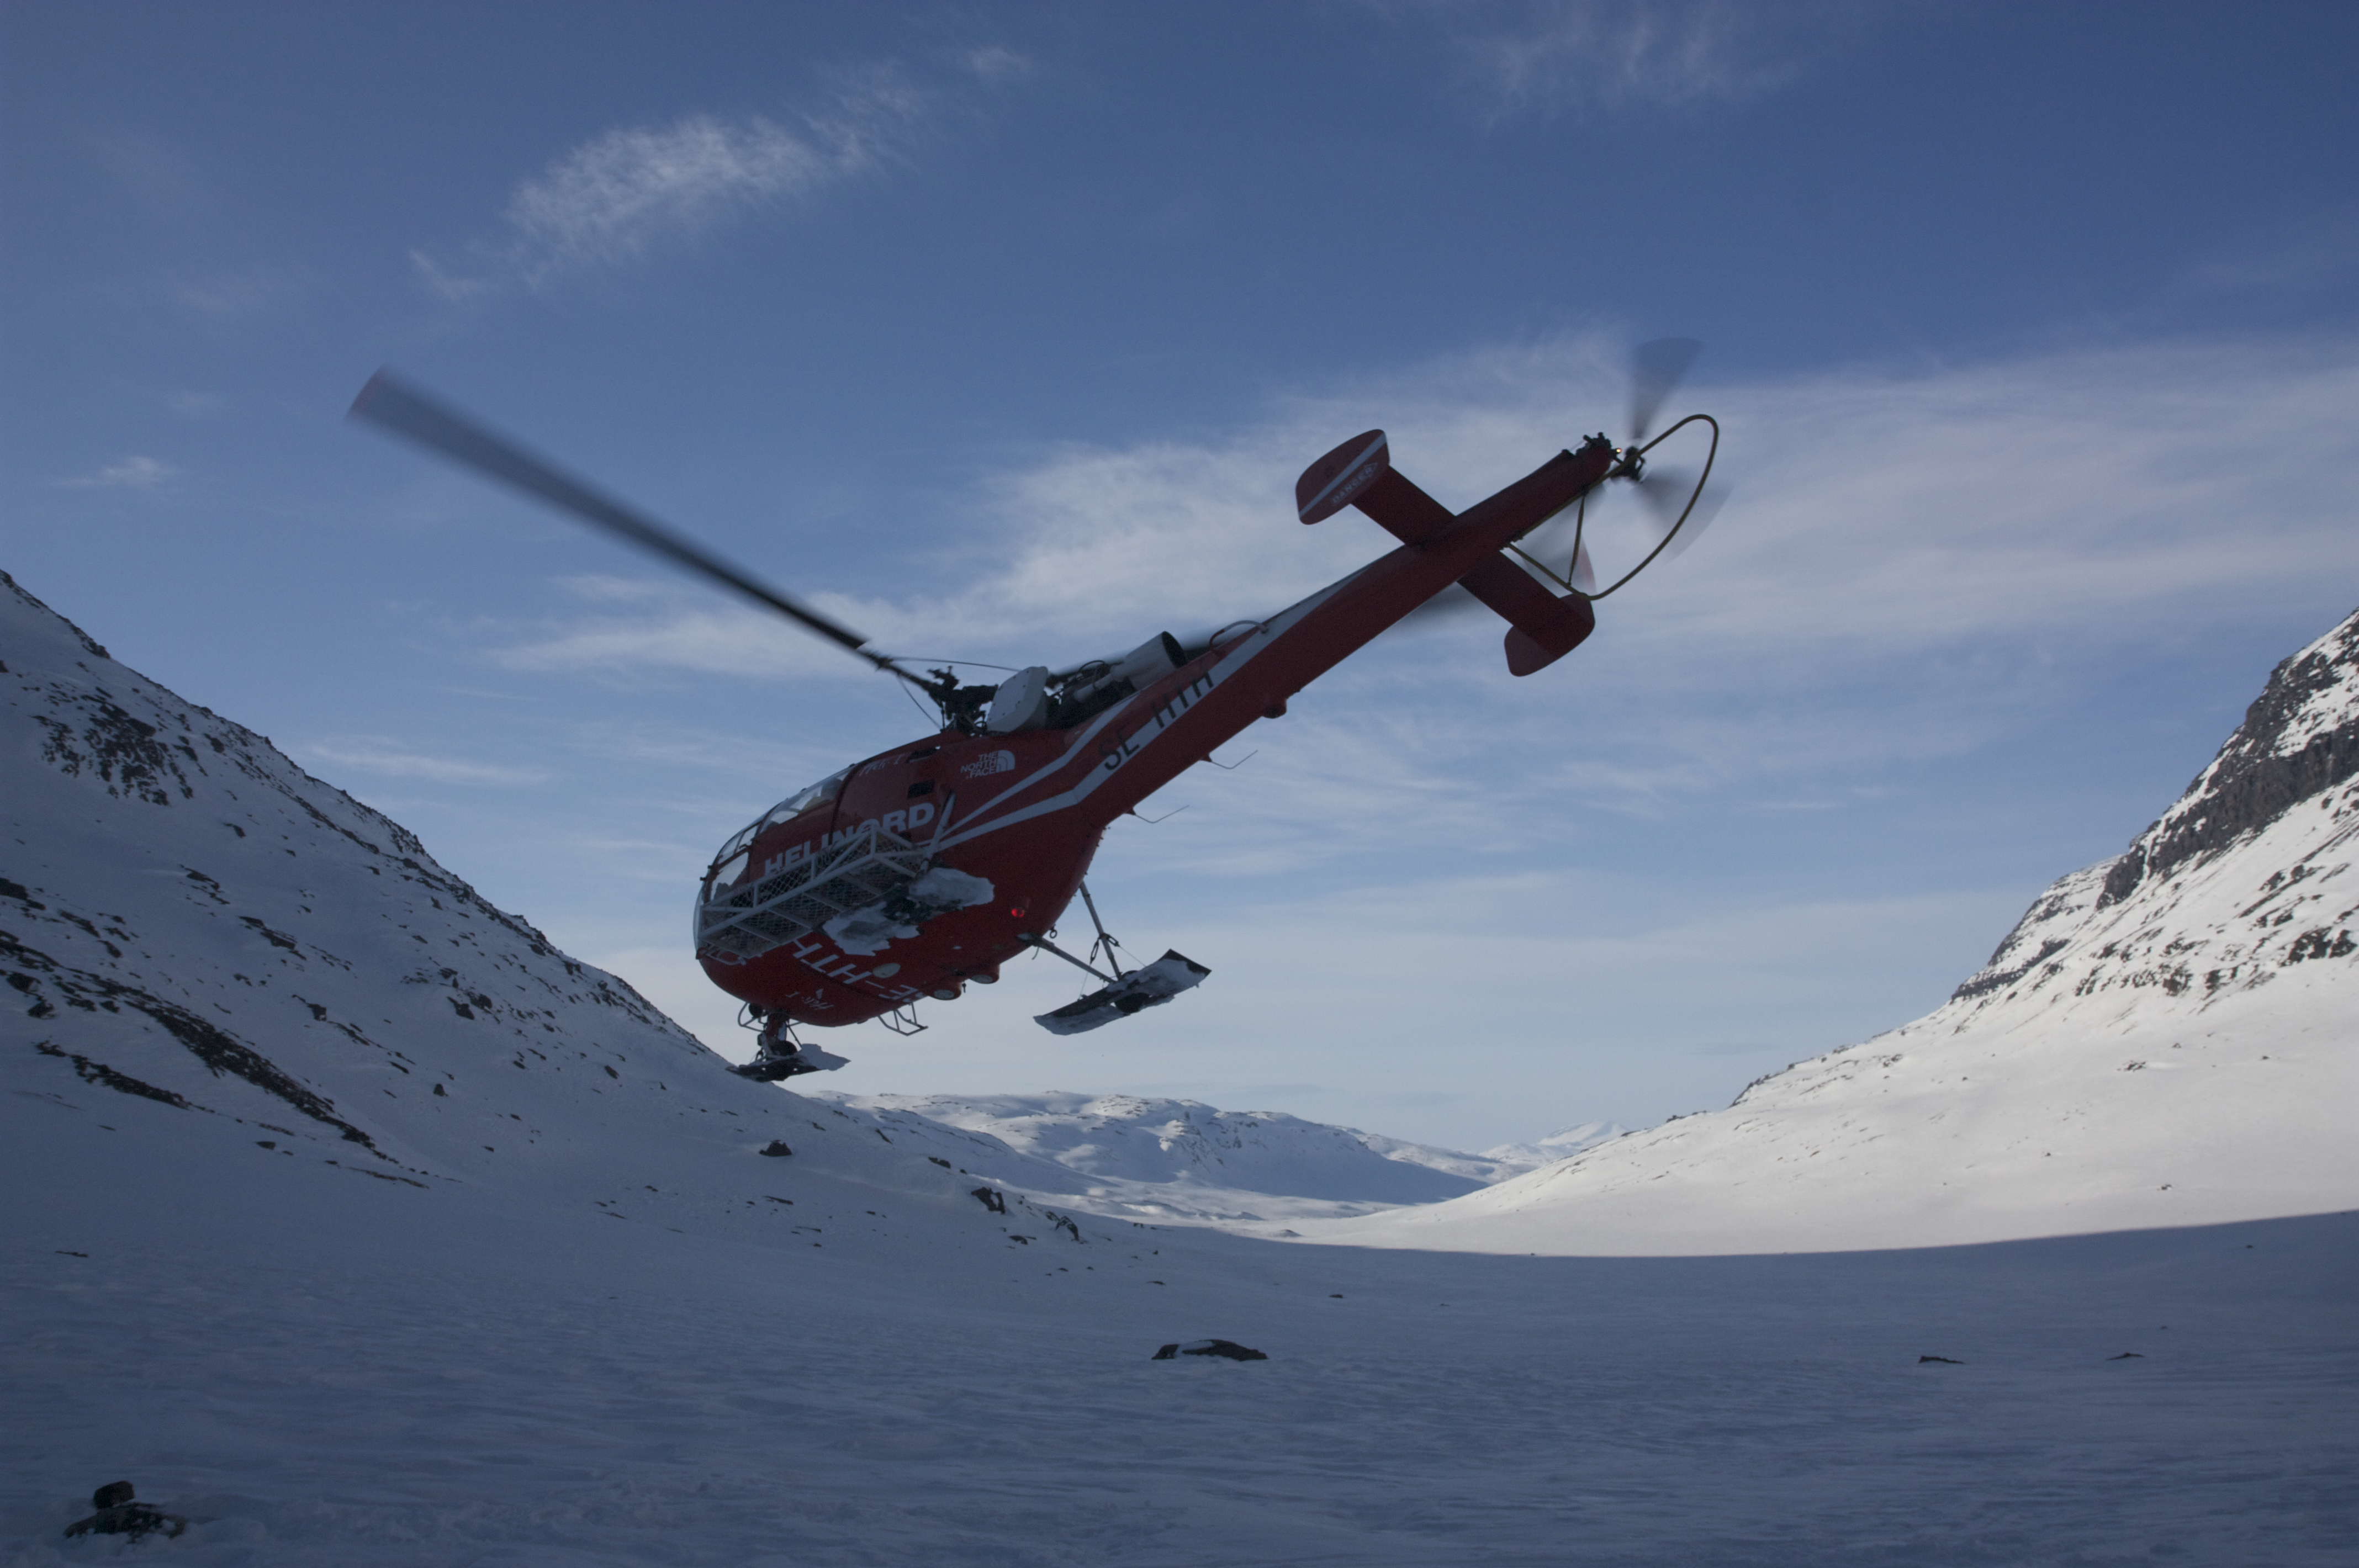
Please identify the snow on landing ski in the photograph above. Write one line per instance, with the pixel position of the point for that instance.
(2168, 1038)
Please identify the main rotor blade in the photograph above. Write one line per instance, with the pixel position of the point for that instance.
(1654, 368)
(409, 412)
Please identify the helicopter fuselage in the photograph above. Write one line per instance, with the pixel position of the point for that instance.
(1018, 816)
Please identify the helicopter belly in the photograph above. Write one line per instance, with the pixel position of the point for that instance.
(1025, 880)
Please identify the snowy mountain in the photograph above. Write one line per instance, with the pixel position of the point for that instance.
(1562, 1144)
(1166, 1158)
(197, 927)
(2170, 1037)
(192, 918)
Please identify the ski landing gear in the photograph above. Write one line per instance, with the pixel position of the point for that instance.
(779, 1055)
(1123, 994)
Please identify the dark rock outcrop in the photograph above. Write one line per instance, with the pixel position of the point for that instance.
(119, 1515)
(1227, 1348)
(2268, 765)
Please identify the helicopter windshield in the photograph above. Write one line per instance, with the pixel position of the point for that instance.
(794, 806)
(802, 800)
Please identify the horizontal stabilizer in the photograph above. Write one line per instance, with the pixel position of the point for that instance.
(1544, 627)
(1335, 480)
(1153, 986)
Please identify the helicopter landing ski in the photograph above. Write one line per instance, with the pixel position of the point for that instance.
(913, 874)
(1150, 986)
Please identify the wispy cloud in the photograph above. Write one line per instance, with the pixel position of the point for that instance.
(235, 295)
(1875, 513)
(612, 198)
(996, 62)
(1905, 557)
(124, 473)
(642, 624)
(1552, 57)
(630, 192)
(445, 285)
(390, 759)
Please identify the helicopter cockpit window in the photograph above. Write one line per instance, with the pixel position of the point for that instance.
(794, 806)
(802, 800)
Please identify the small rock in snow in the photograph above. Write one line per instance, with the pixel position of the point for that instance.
(1225, 1347)
(118, 1515)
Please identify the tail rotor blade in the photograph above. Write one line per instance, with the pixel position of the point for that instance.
(404, 410)
(1584, 575)
(1666, 491)
(1707, 507)
(1654, 368)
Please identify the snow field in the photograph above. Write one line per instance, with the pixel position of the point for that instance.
(330, 1368)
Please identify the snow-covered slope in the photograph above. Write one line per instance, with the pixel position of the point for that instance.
(192, 926)
(188, 916)
(2169, 1038)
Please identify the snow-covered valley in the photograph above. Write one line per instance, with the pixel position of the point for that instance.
(354, 1222)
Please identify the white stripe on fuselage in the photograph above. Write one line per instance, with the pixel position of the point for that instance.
(1223, 669)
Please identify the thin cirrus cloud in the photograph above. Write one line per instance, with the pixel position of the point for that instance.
(2077, 495)
(628, 193)
(386, 758)
(133, 473)
(1949, 535)
(1549, 57)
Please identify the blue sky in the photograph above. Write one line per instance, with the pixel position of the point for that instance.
(1001, 331)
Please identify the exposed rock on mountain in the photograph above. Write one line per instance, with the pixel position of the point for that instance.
(2154, 917)
(2299, 741)
(2169, 1037)
(192, 918)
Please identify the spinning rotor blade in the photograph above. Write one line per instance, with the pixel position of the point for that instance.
(406, 411)
(1667, 492)
(1583, 577)
(1654, 368)
(1707, 507)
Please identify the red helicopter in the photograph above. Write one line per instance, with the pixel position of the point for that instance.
(909, 875)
